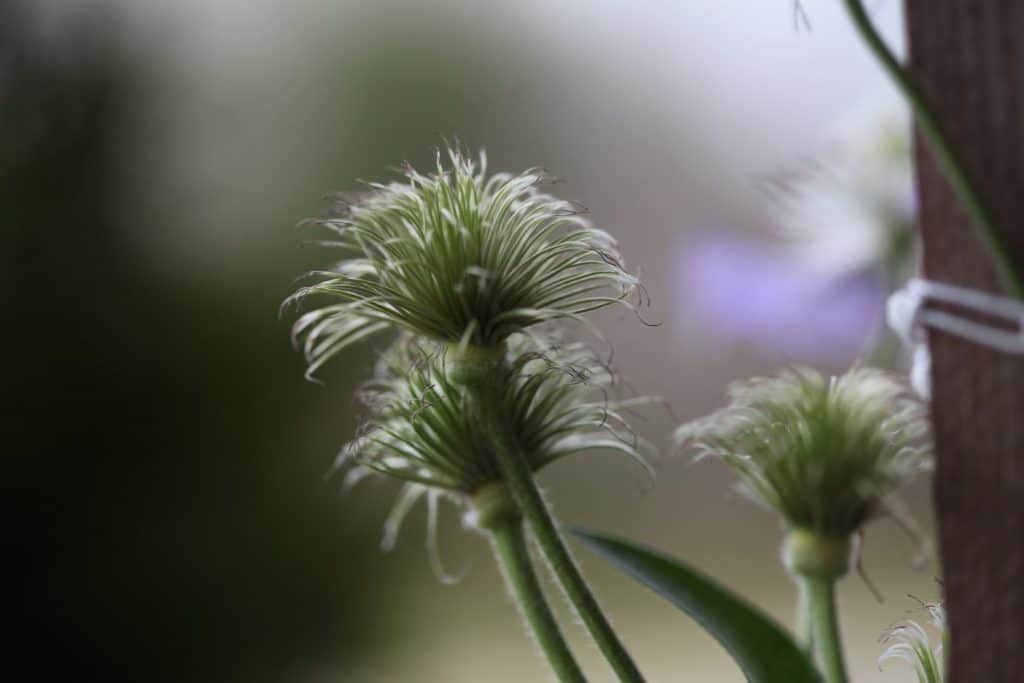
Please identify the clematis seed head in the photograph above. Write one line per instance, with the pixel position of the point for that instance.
(456, 255)
(910, 642)
(825, 453)
(422, 427)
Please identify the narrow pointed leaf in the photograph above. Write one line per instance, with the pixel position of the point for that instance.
(763, 650)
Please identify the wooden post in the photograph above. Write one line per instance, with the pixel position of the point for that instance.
(968, 56)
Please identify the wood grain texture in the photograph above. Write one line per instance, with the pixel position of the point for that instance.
(968, 56)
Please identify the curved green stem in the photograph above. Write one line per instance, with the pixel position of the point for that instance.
(486, 383)
(994, 239)
(824, 618)
(509, 544)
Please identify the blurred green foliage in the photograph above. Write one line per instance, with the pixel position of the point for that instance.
(166, 469)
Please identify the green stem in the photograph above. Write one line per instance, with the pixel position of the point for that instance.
(824, 629)
(803, 617)
(509, 544)
(992, 236)
(485, 380)
(816, 562)
(524, 490)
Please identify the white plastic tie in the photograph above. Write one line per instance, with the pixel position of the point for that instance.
(908, 315)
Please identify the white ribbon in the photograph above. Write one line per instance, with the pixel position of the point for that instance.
(908, 316)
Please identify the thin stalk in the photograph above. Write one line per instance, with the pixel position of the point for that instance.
(993, 237)
(484, 381)
(524, 490)
(824, 618)
(803, 617)
(509, 544)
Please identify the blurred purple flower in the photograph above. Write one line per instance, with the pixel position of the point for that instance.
(777, 304)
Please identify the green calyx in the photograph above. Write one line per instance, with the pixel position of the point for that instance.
(472, 353)
(492, 506)
(468, 363)
(806, 553)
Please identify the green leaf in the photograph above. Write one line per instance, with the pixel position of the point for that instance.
(764, 650)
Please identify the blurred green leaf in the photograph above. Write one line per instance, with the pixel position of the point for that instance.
(764, 651)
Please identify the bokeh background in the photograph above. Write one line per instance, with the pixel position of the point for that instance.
(171, 518)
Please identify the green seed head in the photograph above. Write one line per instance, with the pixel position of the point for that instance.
(457, 256)
(824, 453)
(423, 427)
(909, 641)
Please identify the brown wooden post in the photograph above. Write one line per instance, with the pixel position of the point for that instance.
(968, 56)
